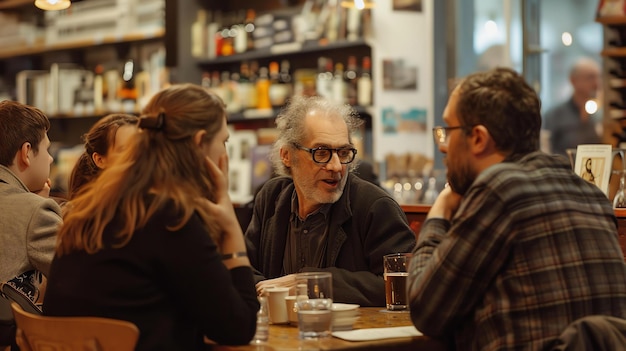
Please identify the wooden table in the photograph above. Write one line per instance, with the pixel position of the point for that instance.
(285, 337)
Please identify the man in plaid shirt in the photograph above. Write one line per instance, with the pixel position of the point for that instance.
(518, 246)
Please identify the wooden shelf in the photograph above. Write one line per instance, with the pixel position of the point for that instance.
(612, 20)
(255, 115)
(282, 50)
(614, 52)
(11, 4)
(40, 47)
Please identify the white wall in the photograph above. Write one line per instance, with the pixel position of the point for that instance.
(405, 35)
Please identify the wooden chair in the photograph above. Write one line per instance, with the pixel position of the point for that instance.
(39, 333)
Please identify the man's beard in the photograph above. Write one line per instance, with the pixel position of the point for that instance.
(461, 178)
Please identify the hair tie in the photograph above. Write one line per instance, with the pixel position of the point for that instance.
(153, 123)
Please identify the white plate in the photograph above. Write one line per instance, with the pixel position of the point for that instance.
(343, 323)
(344, 307)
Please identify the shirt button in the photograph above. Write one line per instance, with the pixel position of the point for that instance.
(306, 231)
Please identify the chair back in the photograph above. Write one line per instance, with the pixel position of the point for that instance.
(46, 333)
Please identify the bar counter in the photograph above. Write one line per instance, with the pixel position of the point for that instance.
(416, 215)
(284, 337)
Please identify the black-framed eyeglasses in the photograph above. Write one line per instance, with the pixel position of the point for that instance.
(323, 154)
(442, 134)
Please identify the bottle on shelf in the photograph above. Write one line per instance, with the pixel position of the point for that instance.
(249, 28)
(339, 84)
(239, 34)
(351, 81)
(279, 90)
(236, 100)
(364, 84)
(205, 82)
(262, 89)
(198, 32)
(245, 87)
(225, 89)
(324, 81)
(128, 91)
(99, 89)
(84, 97)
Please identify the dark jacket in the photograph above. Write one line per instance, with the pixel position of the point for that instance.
(365, 224)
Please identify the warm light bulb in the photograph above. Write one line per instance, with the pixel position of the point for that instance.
(591, 107)
(567, 38)
(358, 4)
(52, 5)
(491, 26)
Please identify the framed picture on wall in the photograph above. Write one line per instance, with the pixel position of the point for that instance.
(593, 164)
(407, 5)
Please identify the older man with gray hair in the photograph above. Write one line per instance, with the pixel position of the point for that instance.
(319, 216)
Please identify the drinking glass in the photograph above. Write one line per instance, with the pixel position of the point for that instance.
(314, 301)
(396, 274)
(619, 199)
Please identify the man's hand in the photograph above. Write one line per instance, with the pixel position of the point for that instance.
(288, 281)
(445, 205)
(45, 190)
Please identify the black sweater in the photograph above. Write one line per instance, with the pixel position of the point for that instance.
(172, 285)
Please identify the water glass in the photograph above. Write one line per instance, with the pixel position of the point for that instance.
(314, 303)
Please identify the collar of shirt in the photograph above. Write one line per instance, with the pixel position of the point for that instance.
(324, 210)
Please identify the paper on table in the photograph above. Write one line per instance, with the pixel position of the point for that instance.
(377, 333)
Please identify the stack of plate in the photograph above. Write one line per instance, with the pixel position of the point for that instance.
(344, 316)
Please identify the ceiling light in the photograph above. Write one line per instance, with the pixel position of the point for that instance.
(359, 4)
(51, 5)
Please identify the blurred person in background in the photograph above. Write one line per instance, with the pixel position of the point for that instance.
(571, 123)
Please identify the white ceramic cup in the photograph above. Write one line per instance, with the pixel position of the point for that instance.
(292, 311)
(277, 306)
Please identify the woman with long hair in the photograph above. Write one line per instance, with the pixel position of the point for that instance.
(107, 136)
(154, 239)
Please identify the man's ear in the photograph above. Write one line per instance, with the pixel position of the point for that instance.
(285, 156)
(199, 136)
(22, 157)
(480, 140)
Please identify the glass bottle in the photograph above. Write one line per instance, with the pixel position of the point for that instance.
(364, 85)
(619, 201)
(262, 323)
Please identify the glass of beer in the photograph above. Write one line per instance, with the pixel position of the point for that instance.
(396, 272)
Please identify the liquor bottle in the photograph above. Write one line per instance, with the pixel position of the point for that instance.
(324, 81)
(198, 35)
(351, 81)
(245, 87)
(262, 89)
(83, 97)
(236, 100)
(278, 90)
(249, 28)
(364, 85)
(98, 90)
(128, 91)
(339, 84)
(240, 37)
(205, 82)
